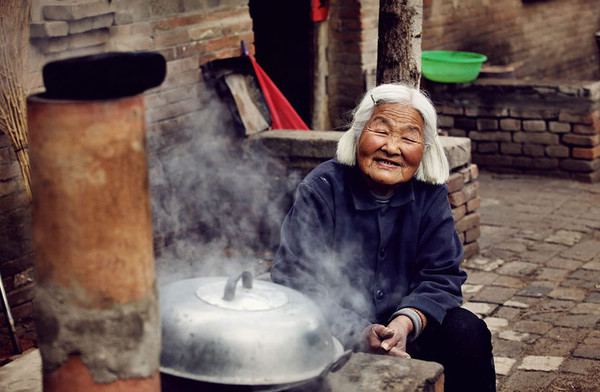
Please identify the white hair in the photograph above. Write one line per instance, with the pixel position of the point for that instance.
(434, 166)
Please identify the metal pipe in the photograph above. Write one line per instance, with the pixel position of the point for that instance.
(96, 309)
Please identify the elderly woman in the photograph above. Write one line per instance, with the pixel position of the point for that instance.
(371, 239)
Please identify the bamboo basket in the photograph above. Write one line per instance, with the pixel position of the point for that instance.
(14, 45)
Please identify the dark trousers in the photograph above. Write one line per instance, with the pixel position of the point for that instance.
(463, 345)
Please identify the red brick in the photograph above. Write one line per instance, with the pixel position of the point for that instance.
(586, 153)
(474, 204)
(571, 117)
(455, 182)
(459, 212)
(581, 140)
(472, 234)
(585, 129)
(468, 222)
(457, 199)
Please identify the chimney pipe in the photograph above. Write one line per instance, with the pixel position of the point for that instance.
(96, 312)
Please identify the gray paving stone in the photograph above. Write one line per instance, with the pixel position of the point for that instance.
(480, 308)
(553, 274)
(586, 308)
(580, 366)
(518, 268)
(584, 251)
(544, 363)
(504, 365)
(564, 237)
(568, 293)
(593, 297)
(577, 320)
(522, 380)
(533, 291)
(494, 295)
(507, 312)
(592, 276)
(567, 264)
(533, 327)
(508, 348)
(592, 265)
(518, 336)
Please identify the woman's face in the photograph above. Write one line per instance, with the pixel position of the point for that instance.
(390, 147)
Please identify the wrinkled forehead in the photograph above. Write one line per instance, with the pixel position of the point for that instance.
(396, 116)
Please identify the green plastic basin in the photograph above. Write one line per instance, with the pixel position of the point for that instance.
(448, 66)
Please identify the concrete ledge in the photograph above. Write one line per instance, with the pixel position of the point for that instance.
(322, 145)
(375, 373)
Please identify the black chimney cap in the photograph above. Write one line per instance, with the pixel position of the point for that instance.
(107, 75)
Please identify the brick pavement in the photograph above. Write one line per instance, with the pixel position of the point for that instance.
(536, 281)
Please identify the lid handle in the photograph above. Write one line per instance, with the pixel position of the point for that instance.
(229, 293)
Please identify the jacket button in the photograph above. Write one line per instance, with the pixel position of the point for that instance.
(379, 294)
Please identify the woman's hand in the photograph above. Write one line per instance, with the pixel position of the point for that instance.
(390, 340)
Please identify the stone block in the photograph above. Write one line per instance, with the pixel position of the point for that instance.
(536, 138)
(455, 182)
(580, 165)
(584, 129)
(557, 151)
(75, 11)
(541, 363)
(534, 150)
(486, 111)
(559, 127)
(451, 109)
(484, 124)
(487, 148)
(468, 222)
(510, 124)
(511, 148)
(48, 29)
(534, 125)
(89, 39)
(91, 23)
(374, 373)
(496, 136)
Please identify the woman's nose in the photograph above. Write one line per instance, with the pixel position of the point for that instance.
(393, 145)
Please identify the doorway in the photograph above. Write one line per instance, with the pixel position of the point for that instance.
(283, 43)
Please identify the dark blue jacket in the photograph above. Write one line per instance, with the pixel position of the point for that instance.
(360, 260)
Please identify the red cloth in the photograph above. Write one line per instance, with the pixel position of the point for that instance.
(283, 115)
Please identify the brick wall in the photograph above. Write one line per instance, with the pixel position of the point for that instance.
(552, 38)
(519, 127)
(16, 256)
(188, 33)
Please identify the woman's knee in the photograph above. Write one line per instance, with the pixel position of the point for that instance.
(467, 333)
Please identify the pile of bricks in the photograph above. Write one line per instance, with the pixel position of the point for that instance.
(463, 193)
(526, 127)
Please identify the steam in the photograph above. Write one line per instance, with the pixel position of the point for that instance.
(216, 208)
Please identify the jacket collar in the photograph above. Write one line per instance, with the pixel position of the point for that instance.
(364, 201)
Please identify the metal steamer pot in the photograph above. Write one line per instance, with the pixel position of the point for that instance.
(260, 334)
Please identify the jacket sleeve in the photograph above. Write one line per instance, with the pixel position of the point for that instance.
(300, 263)
(437, 278)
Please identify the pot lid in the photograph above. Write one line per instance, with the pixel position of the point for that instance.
(258, 333)
(247, 298)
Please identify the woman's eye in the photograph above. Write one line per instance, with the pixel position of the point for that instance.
(410, 140)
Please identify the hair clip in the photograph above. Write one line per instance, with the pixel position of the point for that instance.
(373, 99)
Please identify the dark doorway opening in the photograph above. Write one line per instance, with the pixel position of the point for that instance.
(282, 39)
